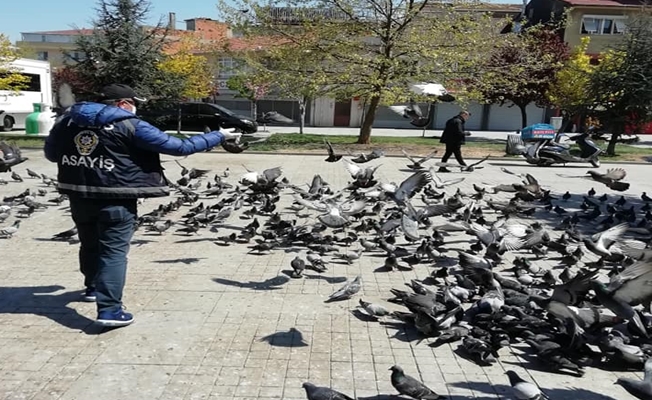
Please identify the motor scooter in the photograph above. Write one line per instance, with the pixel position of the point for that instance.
(548, 152)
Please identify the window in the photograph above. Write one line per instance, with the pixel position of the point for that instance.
(189, 108)
(227, 67)
(603, 25)
(34, 84)
(206, 109)
(42, 55)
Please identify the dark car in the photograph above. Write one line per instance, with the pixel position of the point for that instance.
(196, 116)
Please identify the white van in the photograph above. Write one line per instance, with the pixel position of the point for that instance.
(15, 107)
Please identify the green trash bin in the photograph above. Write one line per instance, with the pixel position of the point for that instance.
(31, 122)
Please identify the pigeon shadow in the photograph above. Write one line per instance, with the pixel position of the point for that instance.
(39, 300)
(194, 240)
(187, 261)
(327, 279)
(291, 338)
(140, 242)
(382, 397)
(268, 284)
(552, 393)
(55, 240)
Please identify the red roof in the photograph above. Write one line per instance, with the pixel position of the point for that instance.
(604, 3)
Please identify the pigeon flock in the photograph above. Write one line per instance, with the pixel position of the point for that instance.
(484, 294)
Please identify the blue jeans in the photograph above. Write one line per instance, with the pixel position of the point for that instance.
(105, 228)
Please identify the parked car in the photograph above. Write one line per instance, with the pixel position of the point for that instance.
(195, 116)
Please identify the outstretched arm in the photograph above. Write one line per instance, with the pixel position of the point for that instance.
(148, 137)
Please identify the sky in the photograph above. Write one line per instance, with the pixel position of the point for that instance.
(68, 14)
(49, 15)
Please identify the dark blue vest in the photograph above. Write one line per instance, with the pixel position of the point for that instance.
(103, 162)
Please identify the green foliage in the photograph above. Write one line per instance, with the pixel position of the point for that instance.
(371, 49)
(193, 69)
(621, 85)
(570, 89)
(522, 68)
(123, 50)
(9, 78)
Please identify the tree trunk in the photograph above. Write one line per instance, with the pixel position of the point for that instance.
(179, 119)
(611, 148)
(370, 116)
(302, 114)
(254, 109)
(523, 109)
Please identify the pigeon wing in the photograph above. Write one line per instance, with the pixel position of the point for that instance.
(484, 234)
(272, 173)
(618, 186)
(615, 174)
(353, 169)
(409, 157)
(331, 152)
(634, 284)
(411, 185)
(410, 227)
(612, 234)
(350, 208)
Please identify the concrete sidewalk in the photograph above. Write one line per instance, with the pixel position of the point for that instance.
(214, 322)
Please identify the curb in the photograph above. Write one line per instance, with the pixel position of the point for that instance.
(491, 158)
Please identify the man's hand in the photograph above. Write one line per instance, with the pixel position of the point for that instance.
(229, 134)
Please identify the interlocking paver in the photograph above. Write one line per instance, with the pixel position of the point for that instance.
(202, 320)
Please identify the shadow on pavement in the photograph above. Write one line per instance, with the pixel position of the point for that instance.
(38, 300)
(268, 284)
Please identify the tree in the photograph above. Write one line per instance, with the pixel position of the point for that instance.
(570, 88)
(194, 69)
(287, 75)
(373, 49)
(621, 84)
(250, 86)
(10, 79)
(122, 49)
(522, 68)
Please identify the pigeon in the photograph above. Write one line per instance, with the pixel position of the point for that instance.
(314, 392)
(417, 164)
(408, 386)
(33, 174)
(524, 390)
(640, 389)
(364, 158)
(373, 310)
(601, 242)
(10, 231)
(347, 291)
(439, 183)
(160, 227)
(16, 177)
(298, 266)
(645, 197)
(332, 157)
(65, 235)
(612, 178)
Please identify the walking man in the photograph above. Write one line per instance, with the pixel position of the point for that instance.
(454, 136)
(108, 158)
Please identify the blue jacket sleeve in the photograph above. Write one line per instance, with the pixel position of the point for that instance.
(50, 148)
(148, 137)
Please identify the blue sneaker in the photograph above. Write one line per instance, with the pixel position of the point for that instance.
(114, 319)
(89, 295)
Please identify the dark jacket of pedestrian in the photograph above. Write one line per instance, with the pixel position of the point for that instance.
(106, 152)
(454, 131)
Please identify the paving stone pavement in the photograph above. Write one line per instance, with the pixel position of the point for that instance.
(210, 326)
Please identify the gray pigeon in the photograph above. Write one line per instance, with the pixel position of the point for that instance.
(640, 389)
(524, 390)
(348, 290)
(408, 386)
(374, 310)
(298, 265)
(314, 392)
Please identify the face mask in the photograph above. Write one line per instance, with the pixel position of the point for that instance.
(133, 110)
